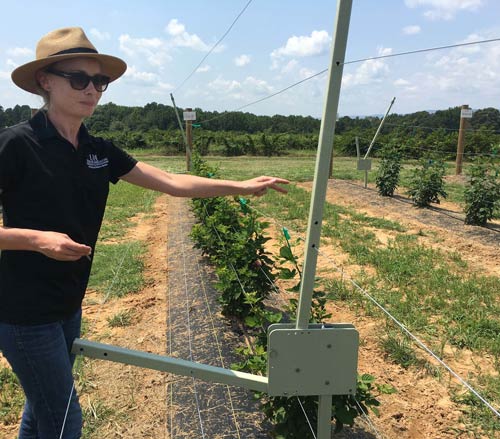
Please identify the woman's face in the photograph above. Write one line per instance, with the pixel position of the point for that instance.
(63, 98)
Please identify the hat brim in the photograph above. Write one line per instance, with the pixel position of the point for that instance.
(24, 76)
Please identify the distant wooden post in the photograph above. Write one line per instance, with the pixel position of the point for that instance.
(189, 116)
(465, 115)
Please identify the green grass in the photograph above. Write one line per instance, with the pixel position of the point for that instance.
(400, 350)
(95, 415)
(298, 168)
(11, 397)
(121, 319)
(118, 268)
(124, 202)
(476, 412)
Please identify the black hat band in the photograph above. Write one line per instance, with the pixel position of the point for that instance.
(75, 50)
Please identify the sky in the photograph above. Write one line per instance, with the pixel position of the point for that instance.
(275, 43)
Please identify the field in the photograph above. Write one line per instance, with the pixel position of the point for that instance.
(438, 277)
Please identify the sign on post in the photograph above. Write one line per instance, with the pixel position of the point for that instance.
(189, 115)
(466, 113)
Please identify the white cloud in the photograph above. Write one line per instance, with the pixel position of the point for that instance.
(154, 49)
(181, 38)
(316, 44)
(370, 71)
(100, 35)
(290, 66)
(383, 51)
(455, 77)
(258, 86)
(141, 78)
(132, 46)
(304, 73)
(244, 91)
(175, 28)
(165, 85)
(4, 75)
(411, 30)
(12, 64)
(400, 82)
(242, 60)
(222, 85)
(20, 52)
(162, 88)
(444, 9)
(203, 69)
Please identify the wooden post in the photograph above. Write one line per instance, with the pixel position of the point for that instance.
(189, 138)
(464, 122)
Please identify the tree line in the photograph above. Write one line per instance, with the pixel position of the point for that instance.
(235, 133)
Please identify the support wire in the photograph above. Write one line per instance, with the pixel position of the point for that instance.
(400, 325)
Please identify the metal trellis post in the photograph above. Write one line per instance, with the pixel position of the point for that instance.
(325, 148)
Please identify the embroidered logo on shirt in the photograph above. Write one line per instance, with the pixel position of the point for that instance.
(94, 163)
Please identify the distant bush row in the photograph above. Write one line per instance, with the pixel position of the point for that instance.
(237, 133)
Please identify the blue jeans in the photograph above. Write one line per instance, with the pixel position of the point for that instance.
(40, 357)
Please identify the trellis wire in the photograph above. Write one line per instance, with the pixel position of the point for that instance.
(368, 420)
(402, 327)
(219, 350)
(307, 418)
(189, 335)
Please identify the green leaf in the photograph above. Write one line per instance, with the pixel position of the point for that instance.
(251, 321)
(286, 253)
(286, 273)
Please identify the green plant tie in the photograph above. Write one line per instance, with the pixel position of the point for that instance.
(243, 205)
(285, 232)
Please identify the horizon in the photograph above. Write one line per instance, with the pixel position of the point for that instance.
(379, 115)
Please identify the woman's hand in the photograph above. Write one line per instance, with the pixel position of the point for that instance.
(60, 246)
(258, 186)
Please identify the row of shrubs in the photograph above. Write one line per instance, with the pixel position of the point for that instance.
(426, 186)
(231, 235)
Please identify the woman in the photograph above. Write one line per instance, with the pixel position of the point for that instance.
(54, 182)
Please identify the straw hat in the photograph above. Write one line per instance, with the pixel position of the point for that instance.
(61, 44)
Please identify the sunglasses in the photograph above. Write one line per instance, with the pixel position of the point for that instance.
(80, 80)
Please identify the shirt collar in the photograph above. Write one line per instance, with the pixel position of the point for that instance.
(44, 128)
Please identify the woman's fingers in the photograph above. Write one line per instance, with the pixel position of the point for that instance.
(61, 247)
(261, 184)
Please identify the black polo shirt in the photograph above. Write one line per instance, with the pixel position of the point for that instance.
(47, 184)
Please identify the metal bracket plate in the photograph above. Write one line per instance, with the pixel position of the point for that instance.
(364, 164)
(319, 360)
